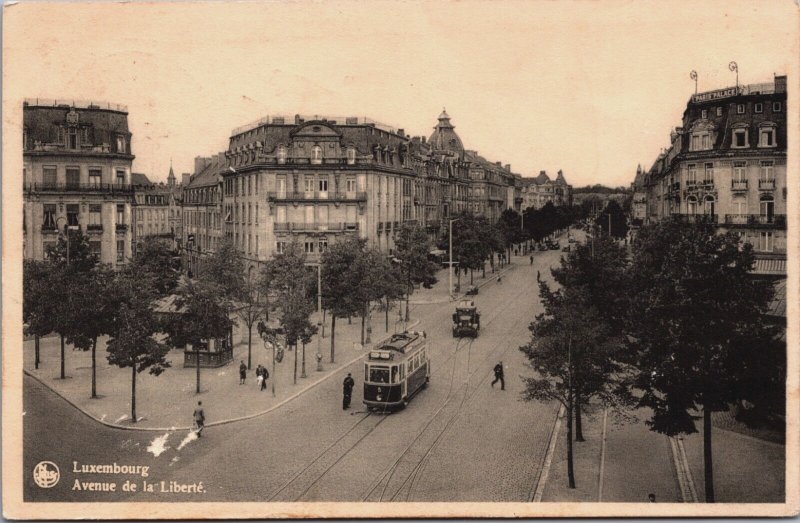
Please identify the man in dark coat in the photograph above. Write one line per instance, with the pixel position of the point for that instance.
(498, 376)
(242, 373)
(347, 389)
(199, 419)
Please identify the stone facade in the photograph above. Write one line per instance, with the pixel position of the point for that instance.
(77, 174)
(727, 164)
(536, 192)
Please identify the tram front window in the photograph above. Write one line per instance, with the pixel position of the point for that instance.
(379, 374)
(394, 374)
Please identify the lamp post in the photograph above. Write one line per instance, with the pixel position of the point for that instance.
(450, 271)
(249, 319)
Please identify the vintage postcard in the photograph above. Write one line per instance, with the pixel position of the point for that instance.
(356, 259)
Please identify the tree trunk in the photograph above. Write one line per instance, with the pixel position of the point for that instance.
(333, 334)
(363, 320)
(349, 320)
(249, 344)
(94, 368)
(324, 312)
(471, 279)
(36, 351)
(483, 268)
(368, 336)
(458, 280)
(387, 314)
(133, 392)
(408, 295)
(63, 376)
(197, 366)
(707, 457)
(570, 467)
(295, 364)
(578, 419)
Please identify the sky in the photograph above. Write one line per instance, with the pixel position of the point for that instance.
(589, 87)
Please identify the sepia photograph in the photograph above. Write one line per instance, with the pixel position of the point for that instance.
(352, 259)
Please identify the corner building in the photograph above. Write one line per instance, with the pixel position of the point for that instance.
(77, 174)
(727, 164)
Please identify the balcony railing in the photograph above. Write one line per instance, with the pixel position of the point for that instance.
(122, 188)
(767, 220)
(739, 185)
(122, 227)
(766, 185)
(95, 227)
(696, 218)
(737, 219)
(314, 227)
(322, 196)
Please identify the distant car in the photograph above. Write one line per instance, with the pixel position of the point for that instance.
(472, 290)
(542, 247)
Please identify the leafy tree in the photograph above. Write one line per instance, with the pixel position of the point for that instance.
(510, 228)
(616, 217)
(339, 284)
(154, 257)
(132, 343)
(38, 301)
(251, 305)
(411, 248)
(696, 316)
(371, 272)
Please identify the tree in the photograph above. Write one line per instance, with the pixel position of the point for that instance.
(616, 217)
(339, 285)
(510, 229)
(93, 308)
(251, 305)
(371, 271)
(132, 343)
(154, 257)
(37, 301)
(571, 351)
(411, 248)
(696, 317)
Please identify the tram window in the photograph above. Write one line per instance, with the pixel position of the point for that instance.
(379, 374)
(366, 373)
(394, 374)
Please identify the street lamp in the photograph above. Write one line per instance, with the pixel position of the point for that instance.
(450, 271)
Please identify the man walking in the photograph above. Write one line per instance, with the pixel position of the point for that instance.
(242, 373)
(199, 418)
(531, 259)
(264, 376)
(498, 376)
(538, 276)
(347, 390)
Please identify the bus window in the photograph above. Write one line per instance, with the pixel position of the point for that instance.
(379, 374)
(394, 374)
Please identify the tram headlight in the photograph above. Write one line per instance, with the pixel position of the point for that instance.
(379, 397)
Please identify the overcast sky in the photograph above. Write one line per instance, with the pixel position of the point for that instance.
(592, 88)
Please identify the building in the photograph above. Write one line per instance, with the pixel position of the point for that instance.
(202, 209)
(151, 206)
(77, 174)
(727, 164)
(537, 192)
(638, 213)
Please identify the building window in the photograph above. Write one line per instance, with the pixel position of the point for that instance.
(709, 206)
(73, 177)
(351, 184)
(719, 111)
(776, 107)
(701, 141)
(766, 137)
(121, 144)
(767, 207)
(256, 214)
(691, 176)
(351, 156)
(709, 173)
(49, 218)
(704, 114)
(739, 108)
(739, 206)
(316, 154)
(309, 183)
(691, 205)
(739, 171)
(759, 107)
(281, 156)
(740, 137)
(765, 241)
(50, 176)
(95, 217)
(280, 247)
(120, 213)
(323, 184)
(323, 246)
(95, 177)
(120, 177)
(72, 138)
(309, 247)
(96, 247)
(120, 251)
(767, 170)
(73, 211)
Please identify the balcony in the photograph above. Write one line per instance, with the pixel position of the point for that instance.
(94, 227)
(122, 227)
(777, 221)
(49, 229)
(766, 185)
(317, 196)
(738, 185)
(737, 219)
(289, 227)
(102, 188)
(696, 218)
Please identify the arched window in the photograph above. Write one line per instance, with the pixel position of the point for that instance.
(351, 156)
(709, 206)
(316, 154)
(281, 154)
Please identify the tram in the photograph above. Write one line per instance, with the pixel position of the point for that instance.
(395, 370)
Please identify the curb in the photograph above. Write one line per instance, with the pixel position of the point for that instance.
(216, 423)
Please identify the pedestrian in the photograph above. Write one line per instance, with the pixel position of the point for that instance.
(531, 259)
(264, 377)
(199, 419)
(242, 373)
(347, 390)
(651, 497)
(538, 276)
(498, 376)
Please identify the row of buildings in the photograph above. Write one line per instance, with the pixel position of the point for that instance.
(311, 179)
(726, 164)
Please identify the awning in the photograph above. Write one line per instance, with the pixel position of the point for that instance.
(770, 267)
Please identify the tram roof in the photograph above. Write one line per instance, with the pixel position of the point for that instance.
(400, 342)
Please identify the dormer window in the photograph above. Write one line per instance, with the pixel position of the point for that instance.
(351, 156)
(776, 107)
(72, 138)
(740, 109)
(704, 114)
(766, 135)
(740, 137)
(281, 154)
(316, 154)
(719, 111)
(701, 141)
(759, 107)
(121, 144)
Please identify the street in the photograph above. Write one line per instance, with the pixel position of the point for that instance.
(458, 440)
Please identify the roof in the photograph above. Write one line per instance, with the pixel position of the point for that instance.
(399, 342)
(42, 124)
(770, 267)
(560, 178)
(444, 137)
(140, 179)
(777, 306)
(542, 178)
(210, 175)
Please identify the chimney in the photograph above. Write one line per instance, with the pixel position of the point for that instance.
(298, 120)
(508, 167)
(401, 132)
(423, 139)
(780, 84)
(542, 172)
(499, 164)
(185, 177)
(200, 163)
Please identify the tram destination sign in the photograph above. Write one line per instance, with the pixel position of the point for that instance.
(715, 95)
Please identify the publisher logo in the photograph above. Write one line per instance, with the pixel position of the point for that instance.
(46, 474)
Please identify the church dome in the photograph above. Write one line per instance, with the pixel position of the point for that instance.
(444, 137)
